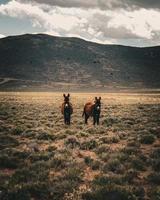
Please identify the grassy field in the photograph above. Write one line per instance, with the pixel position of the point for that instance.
(42, 159)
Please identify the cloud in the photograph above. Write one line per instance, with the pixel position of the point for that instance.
(2, 36)
(79, 3)
(95, 24)
(102, 4)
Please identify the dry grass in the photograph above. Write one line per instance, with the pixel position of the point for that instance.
(40, 158)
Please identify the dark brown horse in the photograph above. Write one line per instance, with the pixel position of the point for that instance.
(92, 109)
(67, 109)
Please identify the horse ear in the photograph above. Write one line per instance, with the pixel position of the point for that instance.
(64, 95)
(68, 95)
(99, 98)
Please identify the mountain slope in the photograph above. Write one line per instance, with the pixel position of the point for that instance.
(54, 62)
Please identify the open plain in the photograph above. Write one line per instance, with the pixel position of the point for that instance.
(43, 159)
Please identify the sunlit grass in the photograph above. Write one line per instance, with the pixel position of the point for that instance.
(41, 158)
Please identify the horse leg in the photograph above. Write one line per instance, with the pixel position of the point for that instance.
(97, 120)
(69, 120)
(94, 120)
(64, 120)
(86, 119)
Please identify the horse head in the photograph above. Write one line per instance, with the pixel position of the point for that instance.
(66, 99)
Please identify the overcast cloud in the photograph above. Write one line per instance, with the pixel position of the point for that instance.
(131, 22)
(102, 4)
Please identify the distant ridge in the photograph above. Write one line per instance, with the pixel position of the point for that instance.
(47, 62)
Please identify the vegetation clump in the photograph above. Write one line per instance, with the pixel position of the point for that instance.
(147, 139)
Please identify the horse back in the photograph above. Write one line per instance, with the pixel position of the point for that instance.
(88, 108)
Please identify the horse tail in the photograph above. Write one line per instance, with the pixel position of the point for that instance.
(62, 108)
(83, 112)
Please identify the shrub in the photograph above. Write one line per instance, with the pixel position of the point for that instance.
(9, 162)
(95, 165)
(45, 136)
(104, 156)
(88, 145)
(88, 160)
(109, 193)
(109, 139)
(103, 180)
(156, 153)
(130, 175)
(138, 164)
(26, 175)
(69, 132)
(7, 141)
(156, 164)
(139, 192)
(74, 174)
(27, 191)
(154, 178)
(83, 134)
(133, 143)
(40, 156)
(29, 133)
(102, 148)
(18, 131)
(155, 131)
(130, 150)
(72, 141)
(110, 121)
(147, 139)
(113, 165)
(154, 194)
(58, 162)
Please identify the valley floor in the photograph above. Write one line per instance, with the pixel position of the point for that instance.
(41, 158)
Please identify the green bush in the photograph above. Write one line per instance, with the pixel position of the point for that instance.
(72, 142)
(102, 148)
(130, 175)
(88, 145)
(7, 142)
(18, 131)
(154, 194)
(113, 165)
(9, 162)
(88, 160)
(138, 164)
(156, 164)
(27, 191)
(95, 165)
(74, 174)
(154, 178)
(40, 156)
(109, 193)
(110, 121)
(156, 153)
(104, 180)
(58, 162)
(147, 139)
(45, 136)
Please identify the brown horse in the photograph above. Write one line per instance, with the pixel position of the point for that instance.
(67, 109)
(92, 109)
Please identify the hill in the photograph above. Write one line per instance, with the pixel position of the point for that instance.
(43, 61)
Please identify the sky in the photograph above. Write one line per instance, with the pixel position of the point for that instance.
(125, 22)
